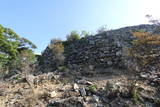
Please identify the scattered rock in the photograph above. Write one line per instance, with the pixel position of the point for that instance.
(71, 93)
(144, 75)
(148, 104)
(69, 102)
(95, 98)
(76, 87)
(146, 96)
(66, 87)
(88, 98)
(30, 78)
(85, 82)
(53, 94)
(107, 49)
(83, 91)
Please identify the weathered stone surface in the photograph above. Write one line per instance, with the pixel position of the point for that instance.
(69, 102)
(95, 98)
(116, 94)
(108, 48)
(83, 91)
(85, 82)
(76, 87)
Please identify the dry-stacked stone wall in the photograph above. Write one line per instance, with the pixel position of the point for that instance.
(108, 48)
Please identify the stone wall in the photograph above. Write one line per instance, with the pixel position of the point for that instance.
(108, 48)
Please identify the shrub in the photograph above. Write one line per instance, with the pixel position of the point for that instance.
(62, 68)
(135, 95)
(85, 33)
(57, 50)
(55, 41)
(145, 48)
(23, 61)
(102, 29)
(73, 36)
(93, 88)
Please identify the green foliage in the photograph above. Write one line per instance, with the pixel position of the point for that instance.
(85, 33)
(93, 88)
(25, 58)
(73, 36)
(62, 68)
(135, 95)
(25, 43)
(18, 78)
(27, 54)
(11, 45)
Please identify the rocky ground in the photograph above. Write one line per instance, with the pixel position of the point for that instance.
(113, 88)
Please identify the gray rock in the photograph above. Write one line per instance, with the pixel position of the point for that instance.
(147, 104)
(68, 102)
(85, 82)
(83, 91)
(30, 78)
(144, 75)
(95, 98)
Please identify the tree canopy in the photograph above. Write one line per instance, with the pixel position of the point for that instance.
(11, 44)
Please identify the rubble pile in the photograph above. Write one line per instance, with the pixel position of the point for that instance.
(44, 91)
(107, 49)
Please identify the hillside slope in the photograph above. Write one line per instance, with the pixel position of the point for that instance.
(96, 72)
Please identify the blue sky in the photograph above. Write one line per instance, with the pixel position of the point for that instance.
(42, 20)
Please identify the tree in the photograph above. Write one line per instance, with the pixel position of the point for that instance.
(11, 46)
(152, 20)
